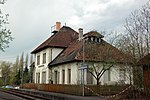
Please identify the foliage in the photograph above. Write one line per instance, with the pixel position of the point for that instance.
(26, 72)
(5, 34)
(14, 71)
(31, 68)
(5, 71)
(18, 78)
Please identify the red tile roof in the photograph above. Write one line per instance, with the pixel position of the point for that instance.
(61, 39)
(145, 60)
(103, 52)
(93, 33)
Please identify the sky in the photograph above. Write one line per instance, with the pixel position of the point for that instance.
(30, 21)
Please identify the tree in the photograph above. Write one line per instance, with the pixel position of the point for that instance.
(31, 68)
(101, 56)
(97, 70)
(15, 69)
(5, 34)
(18, 78)
(6, 70)
(26, 72)
(136, 40)
(21, 65)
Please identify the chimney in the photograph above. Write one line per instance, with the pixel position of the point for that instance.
(80, 33)
(58, 26)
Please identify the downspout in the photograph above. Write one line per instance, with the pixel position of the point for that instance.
(50, 68)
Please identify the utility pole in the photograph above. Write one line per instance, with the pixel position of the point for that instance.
(83, 65)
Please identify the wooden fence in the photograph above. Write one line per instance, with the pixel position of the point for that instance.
(77, 89)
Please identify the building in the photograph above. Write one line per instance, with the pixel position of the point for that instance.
(145, 62)
(61, 58)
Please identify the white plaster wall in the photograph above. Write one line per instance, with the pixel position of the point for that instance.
(74, 72)
(114, 75)
(51, 53)
(55, 52)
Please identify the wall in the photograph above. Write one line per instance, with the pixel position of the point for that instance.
(51, 53)
(76, 74)
(60, 68)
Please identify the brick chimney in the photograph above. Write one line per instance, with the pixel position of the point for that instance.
(80, 33)
(58, 26)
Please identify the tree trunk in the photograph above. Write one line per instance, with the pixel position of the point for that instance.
(97, 81)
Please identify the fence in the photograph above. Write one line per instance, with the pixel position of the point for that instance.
(77, 89)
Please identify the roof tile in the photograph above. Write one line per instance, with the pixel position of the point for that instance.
(61, 39)
(103, 52)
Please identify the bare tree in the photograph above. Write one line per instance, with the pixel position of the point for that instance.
(98, 70)
(101, 56)
(136, 40)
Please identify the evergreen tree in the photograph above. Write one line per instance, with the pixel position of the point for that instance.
(18, 78)
(15, 70)
(26, 72)
(31, 68)
(21, 64)
(5, 71)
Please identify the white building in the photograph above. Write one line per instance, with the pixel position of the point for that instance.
(60, 57)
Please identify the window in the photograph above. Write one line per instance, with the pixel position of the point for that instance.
(69, 76)
(44, 58)
(44, 77)
(94, 38)
(98, 40)
(56, 77)
(38, 59)
(63, 76)
(37, 77)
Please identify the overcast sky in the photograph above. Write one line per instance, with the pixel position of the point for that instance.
(31, 20)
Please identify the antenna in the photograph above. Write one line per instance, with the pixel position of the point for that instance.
(52, 28)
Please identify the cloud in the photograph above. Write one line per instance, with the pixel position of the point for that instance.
(31, 20)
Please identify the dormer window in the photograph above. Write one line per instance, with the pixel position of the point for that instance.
(98, 40)
(92, 39)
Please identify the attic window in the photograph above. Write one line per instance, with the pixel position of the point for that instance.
(99, 40)
(92, 39)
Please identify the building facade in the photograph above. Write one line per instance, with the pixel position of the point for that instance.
(145, 63)
(60, 59)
